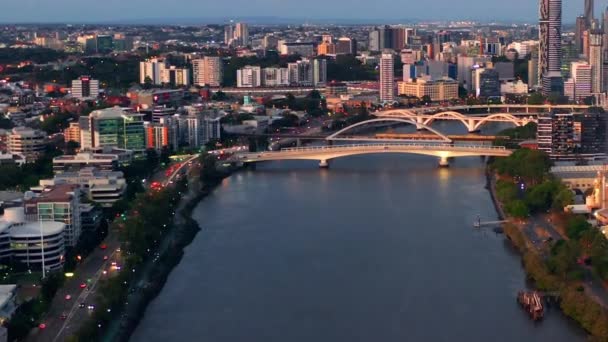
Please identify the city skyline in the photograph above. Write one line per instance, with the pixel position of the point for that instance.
(29, 11)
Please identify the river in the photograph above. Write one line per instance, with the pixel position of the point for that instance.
(377, 248)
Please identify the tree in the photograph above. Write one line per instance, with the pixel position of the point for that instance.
(517, 209)
(219, 96)
(536, 99)
(426, 99)
(576, 226)
(563, 198)
(72, 146)
(148, 83)
(315, 94)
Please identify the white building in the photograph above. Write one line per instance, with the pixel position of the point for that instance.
(275, 77)
(103, 187)
(387, 77)
(28, 142)
(34, 244)
(154, 69)
(73, 163)
(514, 87)
(85, 88)
(202, 128)
(207, 71)
(579, 86)
(249, 77)
(60, 203)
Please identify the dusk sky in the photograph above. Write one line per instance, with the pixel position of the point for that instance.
(96, 10)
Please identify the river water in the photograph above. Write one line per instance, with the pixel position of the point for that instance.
(377, 248)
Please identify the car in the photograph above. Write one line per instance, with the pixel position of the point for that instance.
(63, 316)
(41, 326)
(68, 297)
(91, 307)
(105, 257)
(82, 305)
(103, 246)
(83, 285)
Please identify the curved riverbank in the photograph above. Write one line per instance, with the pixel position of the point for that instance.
(152, 280)
(574, 302)
(294, 253)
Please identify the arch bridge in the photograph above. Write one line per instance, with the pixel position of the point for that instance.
(323, 154)
(472, 123)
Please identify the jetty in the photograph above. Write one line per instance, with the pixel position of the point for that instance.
(532, 302)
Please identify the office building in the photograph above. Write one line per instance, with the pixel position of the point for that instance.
(157, 136)
(75, 163)
(590, 132)
(85, 88)
(249, 77)
(36, 245)
(304, 49)
(436, 90)
(550, 47)
(486, 83)
(72, 133)
(152, 70)
(275, 77)
(228, 34)
(326, 48)
(302, 73)
(161, 112)
(60, 203)
(555, 134)
(202, 128)
(176, 77)
(346, 46)
(596, 59)
(319, 72)
(579, 87)
(31, 143)
(580, 28)
(207, 71)
(387, 77)
(113, 128)
(270, 42)
(589, 9)
(103, 187)
(241, 34)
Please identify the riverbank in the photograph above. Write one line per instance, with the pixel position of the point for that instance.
(153, 278)
(573, 299)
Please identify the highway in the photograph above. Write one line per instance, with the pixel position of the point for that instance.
(90, 272)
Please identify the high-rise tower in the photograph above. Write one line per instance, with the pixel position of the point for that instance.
(550, 47)
(387, 77)
(589, 12)
(596, 58)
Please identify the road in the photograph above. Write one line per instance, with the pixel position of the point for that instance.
(90, 271)
(593, 285)
(91, 268)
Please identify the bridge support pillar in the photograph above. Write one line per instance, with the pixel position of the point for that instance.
(444, 162)
(298, 142)
(324, 164)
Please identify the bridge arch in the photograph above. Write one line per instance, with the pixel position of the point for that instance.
(396, 113)
(450, 115)
(505, 118)
(440, 135)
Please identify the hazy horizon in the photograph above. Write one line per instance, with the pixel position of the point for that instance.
(81, 11)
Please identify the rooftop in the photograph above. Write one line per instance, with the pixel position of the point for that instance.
(33, 229)
(58, 193)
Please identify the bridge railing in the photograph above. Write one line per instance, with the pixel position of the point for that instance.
(418, 145)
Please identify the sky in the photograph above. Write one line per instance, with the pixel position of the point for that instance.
(124, 10)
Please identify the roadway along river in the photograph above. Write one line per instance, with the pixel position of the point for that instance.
(377, 248)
